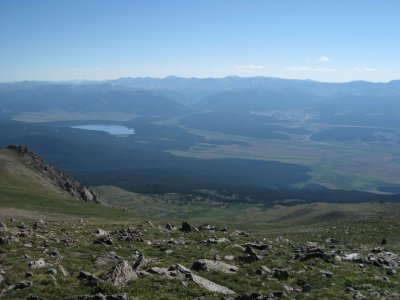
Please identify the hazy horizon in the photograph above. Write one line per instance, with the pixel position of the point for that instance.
(192, 77)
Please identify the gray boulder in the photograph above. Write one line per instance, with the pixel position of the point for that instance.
(121, 274)
(180, 271)
(37, 264)
(100, 233)
(281, 274)
(104, 240)
(89, 279)
(216, 241)
(249, 255)
(107, 258)
(141, 262)
(206, 265)
(23, 284)
(209, 285)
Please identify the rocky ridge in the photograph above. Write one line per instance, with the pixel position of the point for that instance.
(61, 181)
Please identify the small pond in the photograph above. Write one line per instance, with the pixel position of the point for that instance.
(111, 129)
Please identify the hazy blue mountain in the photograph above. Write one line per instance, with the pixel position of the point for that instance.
(206, 85)
(84, 97)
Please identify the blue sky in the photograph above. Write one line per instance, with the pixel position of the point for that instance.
(332, 40)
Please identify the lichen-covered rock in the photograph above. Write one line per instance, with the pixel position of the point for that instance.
(210, 286)
(37, 264)
(129, 234)
(100, 233)
(309, 251)
(206, 265)
(107, 258)
(141, 262)
(121, 274)
(180, 271)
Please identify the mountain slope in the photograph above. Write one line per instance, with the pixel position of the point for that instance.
(53, 178)
(23, 186)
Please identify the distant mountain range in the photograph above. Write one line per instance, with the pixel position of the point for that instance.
(271, 84)
(171, 96)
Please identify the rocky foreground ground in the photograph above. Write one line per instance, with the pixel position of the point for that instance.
(146, 260)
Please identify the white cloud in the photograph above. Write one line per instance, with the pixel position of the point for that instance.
(249, 67)
(324, 59)
(361, 69)
(308, 69)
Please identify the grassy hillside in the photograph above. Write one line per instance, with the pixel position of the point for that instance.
(202, 207)
(22, 188)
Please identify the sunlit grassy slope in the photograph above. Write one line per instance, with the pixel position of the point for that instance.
(22, 188)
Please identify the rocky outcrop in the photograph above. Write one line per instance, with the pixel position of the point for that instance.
(141, 262)
(209, 285)
(89, 279)
(37, 264)
(107, 258)
(100, 296)
(383, 258)
(55, 177)
(129, 234)
(180, 271)
(186, 227)
(309, 251)
(104, 240)
(121, 274)
(202, 282)
(249, 256)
